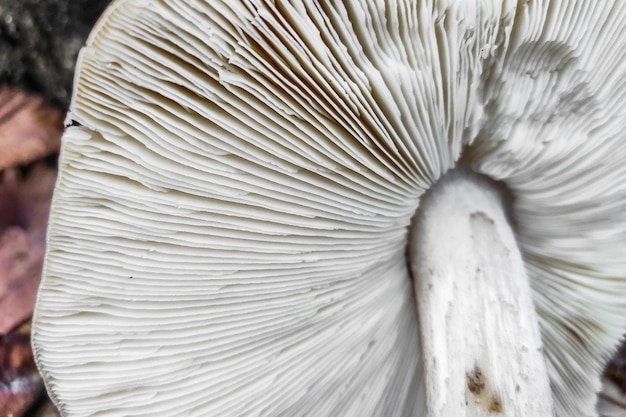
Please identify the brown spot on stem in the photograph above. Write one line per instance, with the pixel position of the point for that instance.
(478, 385)
(495, 406)
(475, 381)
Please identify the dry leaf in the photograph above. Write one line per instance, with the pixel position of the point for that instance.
(29, 131)
(20, 383)
(29, 128)
(24, 209)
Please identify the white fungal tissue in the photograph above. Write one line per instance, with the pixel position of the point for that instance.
(230, 225)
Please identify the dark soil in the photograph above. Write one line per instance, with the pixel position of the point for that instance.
(39, 42)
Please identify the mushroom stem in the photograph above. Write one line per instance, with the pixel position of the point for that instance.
(479, 329)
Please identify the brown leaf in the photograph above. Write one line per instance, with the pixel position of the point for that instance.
(24, 209)
(20, 383)
(29, 128)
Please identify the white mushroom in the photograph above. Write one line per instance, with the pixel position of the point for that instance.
(231, 229)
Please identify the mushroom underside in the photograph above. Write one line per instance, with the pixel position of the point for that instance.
(230, 225)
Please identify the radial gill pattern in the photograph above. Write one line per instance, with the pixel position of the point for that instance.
(230, 222)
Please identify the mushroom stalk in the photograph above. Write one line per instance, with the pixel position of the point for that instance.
(479, 329)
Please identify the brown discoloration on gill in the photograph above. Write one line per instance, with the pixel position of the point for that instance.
(479, 388)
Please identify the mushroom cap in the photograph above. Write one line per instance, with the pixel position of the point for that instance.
(229, 227)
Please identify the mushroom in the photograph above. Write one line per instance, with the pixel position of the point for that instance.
(328, 208)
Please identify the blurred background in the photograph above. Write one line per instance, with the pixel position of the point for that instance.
(39, 42)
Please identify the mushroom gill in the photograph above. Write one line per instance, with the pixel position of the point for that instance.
(230, 225)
